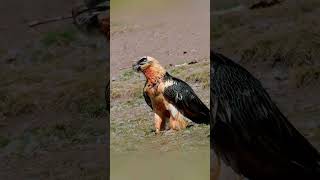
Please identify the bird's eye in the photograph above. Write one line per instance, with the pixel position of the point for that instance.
(143, 60)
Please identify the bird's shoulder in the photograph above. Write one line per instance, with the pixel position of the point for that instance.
(177, 90)
(175, 82)
(181, 95)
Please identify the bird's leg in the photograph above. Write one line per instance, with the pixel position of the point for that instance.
(176, 120)
(158, 122)
(173, 123)
(181, 121)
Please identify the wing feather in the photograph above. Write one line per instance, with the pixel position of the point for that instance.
(246, 109)
(181, 95)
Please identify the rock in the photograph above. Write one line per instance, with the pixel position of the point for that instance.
(257, 4)
(192, 62)
(11, 56)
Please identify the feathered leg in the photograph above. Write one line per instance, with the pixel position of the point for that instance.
(176, 120)
(159, 123)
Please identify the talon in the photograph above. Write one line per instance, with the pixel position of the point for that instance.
(189, 125)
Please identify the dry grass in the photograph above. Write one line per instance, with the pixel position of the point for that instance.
(127, 6)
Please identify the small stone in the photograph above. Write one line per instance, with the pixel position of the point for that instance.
(11, 56)
(193, 62)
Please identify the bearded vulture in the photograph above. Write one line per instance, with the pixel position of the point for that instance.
(249, 132)
(170, 98)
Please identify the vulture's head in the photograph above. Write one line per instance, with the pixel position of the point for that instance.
(145, 63)
(149, 66)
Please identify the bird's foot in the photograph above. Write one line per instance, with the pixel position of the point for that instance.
(189, 125)
(157, 131)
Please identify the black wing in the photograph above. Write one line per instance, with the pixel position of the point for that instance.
(257, 132)
(181, 95)
(147, 98)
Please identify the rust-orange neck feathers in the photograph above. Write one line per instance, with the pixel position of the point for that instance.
(154, 72)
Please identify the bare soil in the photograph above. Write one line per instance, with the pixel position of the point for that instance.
(174, 35)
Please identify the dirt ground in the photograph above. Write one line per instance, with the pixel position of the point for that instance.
(175, 35)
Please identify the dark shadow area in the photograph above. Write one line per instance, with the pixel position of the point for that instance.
(279, 45)
(54, 117)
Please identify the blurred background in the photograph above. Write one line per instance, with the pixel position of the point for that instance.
(52, 109)
(278, 42)
(177, 34)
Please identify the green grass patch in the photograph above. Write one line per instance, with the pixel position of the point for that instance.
(59, 38)
(126, 75)
(202, 77)
(93, 109)
(17, 103)
(129, 6)
(178, 71)
(126, 90)
(4, 141)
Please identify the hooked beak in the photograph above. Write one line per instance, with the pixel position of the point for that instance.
(136, 67)
(139, 65)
